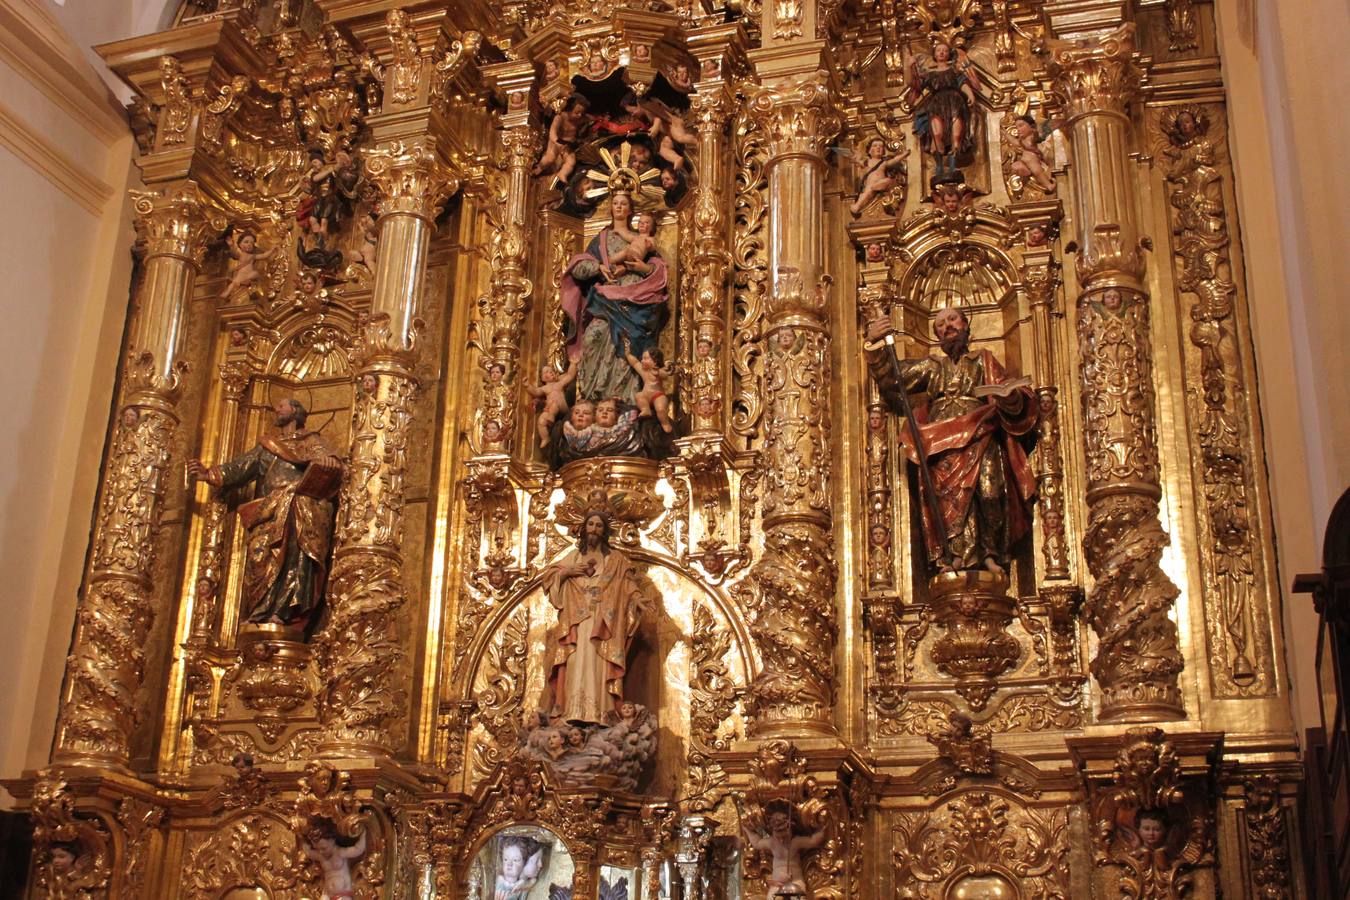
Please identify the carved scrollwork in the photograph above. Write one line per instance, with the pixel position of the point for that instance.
(984, 843)
(72, 850)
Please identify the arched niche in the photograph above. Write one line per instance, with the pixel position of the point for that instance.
(693, 628)
(969, 267)
(520, 862)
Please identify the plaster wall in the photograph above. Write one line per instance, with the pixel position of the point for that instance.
(1289, 136)
(65, 163)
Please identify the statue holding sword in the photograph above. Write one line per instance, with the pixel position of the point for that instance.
(969, 441)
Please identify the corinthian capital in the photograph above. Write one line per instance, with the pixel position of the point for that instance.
(1096, 75)
(412, 179)
(797, 118)
(710, 110)
(176, 221)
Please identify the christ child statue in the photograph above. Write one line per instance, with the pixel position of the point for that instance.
(637, 250)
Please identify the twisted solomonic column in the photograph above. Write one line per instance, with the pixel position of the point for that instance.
(1138, 659)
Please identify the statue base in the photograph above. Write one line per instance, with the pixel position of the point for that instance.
(973, 609)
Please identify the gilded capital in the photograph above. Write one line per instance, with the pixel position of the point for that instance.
(1096, 76)
(411, 178)
(177, 221)
(711, 110)
(797, 119)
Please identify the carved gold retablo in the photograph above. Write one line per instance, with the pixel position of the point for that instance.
(973, 608)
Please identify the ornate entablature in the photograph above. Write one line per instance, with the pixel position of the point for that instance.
(691, 449)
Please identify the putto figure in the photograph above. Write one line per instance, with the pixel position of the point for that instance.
(334, 859)
(600, 597)
(974, 433)
(787, 878)
(294, 478)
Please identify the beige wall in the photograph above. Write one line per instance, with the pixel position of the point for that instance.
(64, 239)
(1286, 68)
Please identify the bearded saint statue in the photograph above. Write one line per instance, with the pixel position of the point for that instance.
(600, 597)
(295, 477)
(975, 431)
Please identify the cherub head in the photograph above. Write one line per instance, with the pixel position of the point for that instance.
(61, 856)
(641, 157)
(669, 181)
(1152, 827)
(513, 860)
(703, 348)
(596, 65)
(130, 416)
(607, 413)
(582, 415)
(576, 106)
(646, 223)
(492, 431)
(1025, 126)
(554, 743)
(881, 536)
(322, 837)
(780, 824)
(787, 337)
(1187, 127)
(495, 372)
(575, 737)
(548, 375)
(248, 241)
(653, 359)
(627, 710)
(370, 383)
(680, 75)
(948, 198)
(1112, 299)
(550, 70)
(876, 148)
(706, 407)
(308, 283)
(1036, 236)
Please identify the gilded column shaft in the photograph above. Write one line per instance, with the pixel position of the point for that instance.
(711, 111)
(107, 657)
(1138, 660)
(793, 615)
(359, 652)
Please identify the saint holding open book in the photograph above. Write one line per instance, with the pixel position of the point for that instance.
(975, 431)
(295, 478)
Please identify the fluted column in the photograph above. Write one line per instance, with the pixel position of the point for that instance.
(107, 657)
(1137, 660)
(359, 653)
(794, 579)
(709, 113)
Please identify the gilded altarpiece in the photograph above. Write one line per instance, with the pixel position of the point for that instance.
(509, 491)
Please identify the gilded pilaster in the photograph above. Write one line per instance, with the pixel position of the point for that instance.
(1137, 660)
(711, 111)
(794, 580)
(359, 651)
(107, 658)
